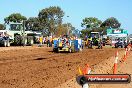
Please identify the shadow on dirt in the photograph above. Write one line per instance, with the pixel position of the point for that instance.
(63, 52)
(40, 58)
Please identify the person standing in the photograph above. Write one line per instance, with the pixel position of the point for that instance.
(41, 40)
(48, 41)
(6, 39)
(51, 40)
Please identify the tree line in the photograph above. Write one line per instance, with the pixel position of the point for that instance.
(50, 20)
(94, 24)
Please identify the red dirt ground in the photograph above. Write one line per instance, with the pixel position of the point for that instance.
(39, 67)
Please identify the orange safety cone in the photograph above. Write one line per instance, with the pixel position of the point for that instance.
(87, 69)
(115, 63)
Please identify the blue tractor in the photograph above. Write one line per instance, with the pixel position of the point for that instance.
(67, 45)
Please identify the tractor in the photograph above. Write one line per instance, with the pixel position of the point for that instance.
(65, 44)
(94, 40)
(17, 35)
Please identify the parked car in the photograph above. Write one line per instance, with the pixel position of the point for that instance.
(119, 44)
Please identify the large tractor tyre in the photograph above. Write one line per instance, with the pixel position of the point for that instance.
(54, 50)
(30, 40)
(103, 44)
(122, 46)
(99, 47)
(18, 40)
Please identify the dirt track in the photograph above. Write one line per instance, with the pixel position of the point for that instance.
(41, 68)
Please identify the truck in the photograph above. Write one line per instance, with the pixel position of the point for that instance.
(16, 34)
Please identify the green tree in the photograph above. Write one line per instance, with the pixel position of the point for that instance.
(65, 28)
(91, 23)
(85, 32)
(111, 23)
(61, 30)
(15, 17)
(70, 29)
(1, 27)
(50, 18)
(33, 24)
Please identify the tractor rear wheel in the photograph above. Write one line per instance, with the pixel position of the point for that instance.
(30, 40)
(18, 40)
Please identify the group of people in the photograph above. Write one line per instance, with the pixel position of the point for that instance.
(46, 40)
(49, 40)
(65, 40)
